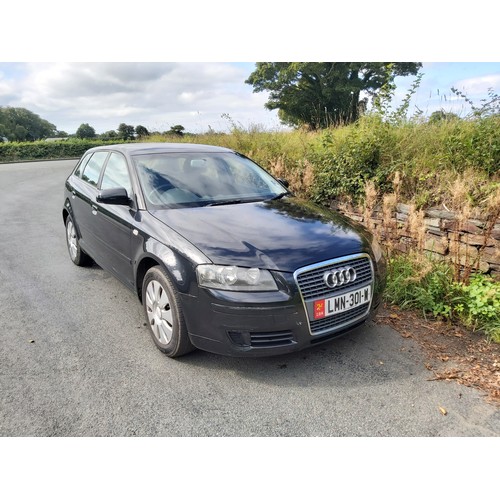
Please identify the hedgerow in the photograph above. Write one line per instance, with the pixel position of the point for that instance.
(45, 150)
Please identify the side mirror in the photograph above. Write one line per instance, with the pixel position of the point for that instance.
(114, 196)
(284, 182)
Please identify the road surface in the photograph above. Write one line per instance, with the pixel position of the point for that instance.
(76, 358)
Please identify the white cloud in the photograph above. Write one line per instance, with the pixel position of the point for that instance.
(156, 95)
(479, 85)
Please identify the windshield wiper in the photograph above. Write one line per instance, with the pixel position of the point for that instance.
(233, 202)
(224, 202)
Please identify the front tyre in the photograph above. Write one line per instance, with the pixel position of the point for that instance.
(77, 255)
(164, 314)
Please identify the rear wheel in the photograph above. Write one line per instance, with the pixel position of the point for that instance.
(77, 255)
(164, 314)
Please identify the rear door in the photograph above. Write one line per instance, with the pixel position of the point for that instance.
(83, 202)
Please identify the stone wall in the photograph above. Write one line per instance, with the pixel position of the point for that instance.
(472, 243)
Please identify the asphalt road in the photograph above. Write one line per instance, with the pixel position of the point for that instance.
(77, 360)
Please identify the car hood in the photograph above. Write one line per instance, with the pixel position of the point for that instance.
(281, 235)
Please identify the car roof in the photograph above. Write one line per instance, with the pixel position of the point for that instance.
(139, 148)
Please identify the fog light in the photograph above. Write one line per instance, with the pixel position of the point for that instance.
(240, 338)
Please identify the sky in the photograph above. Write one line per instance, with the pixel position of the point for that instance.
(196, 95)
(159, 67)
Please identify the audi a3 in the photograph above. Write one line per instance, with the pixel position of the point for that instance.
(221, 254)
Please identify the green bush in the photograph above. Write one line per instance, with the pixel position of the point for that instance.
(416, 282)
(479, 307)
(474, 144)
(345, 163)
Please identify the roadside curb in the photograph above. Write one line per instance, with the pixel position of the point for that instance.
(38, 160)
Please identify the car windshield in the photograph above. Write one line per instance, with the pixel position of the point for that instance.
(176, 180)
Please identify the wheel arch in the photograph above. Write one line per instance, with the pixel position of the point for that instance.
(67, 210)
(143, 267)
(65, 214)
(177, 266)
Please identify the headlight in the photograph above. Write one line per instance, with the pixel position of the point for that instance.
(239, 279)
(377, 249)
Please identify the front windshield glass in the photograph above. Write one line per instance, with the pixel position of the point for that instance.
(175, 180)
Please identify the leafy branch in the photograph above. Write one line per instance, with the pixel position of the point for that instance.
(489, 106)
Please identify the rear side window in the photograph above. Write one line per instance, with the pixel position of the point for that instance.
(92, 170)
(116, 174)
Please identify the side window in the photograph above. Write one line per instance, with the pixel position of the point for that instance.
(92, 170)
(81, 165)
(116, 174)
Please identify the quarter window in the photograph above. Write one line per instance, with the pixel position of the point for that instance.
(81, 166)
(116, 174)
(93, 168)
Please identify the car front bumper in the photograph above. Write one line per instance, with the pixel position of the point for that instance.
(259, 324)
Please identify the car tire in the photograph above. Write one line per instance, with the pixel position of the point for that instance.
(164, 314)
(77, 255)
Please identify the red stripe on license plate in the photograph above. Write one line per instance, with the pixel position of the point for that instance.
(319, 309)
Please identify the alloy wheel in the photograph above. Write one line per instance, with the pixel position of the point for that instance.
(159, 312)
(72, 240)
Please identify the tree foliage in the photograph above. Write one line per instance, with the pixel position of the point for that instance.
(19, 124)
(85, 131)
(126, 132)
(108, 135)
(321, 94)
(176, 130)
(441, 115)
(141, 131)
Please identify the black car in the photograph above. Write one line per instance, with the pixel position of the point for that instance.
(222, 255)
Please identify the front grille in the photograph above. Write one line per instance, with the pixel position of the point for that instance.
(313, 287)
(273, 339)
(262, 339)
(311, 282)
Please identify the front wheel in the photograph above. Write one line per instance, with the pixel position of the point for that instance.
(164, 314)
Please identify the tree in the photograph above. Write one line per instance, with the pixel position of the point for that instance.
(20, 124)
(321, 94)
(85, 131)
(176, 130)
(141, 131)
(20, 133)
(109, 135)
(126, 132)
(441, 115)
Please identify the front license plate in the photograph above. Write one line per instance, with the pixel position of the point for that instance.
(326, 307)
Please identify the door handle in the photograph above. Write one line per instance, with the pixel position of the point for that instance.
(94, 210)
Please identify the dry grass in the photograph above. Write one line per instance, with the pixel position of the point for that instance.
(416, 227)
(426, 162)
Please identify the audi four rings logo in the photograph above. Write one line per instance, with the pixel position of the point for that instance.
(339, 276)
